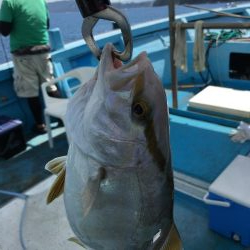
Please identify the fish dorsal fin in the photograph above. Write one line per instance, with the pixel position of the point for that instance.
(56, 165)
(57, 187)
(77, 241)
(173, 241)
(91, 190)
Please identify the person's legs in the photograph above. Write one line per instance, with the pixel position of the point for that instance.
(37, 111)
(44, 67)
(26, 84)
(46, 73)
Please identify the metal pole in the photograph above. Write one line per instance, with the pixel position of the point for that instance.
(171, 10)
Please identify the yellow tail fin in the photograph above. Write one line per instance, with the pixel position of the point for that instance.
(173, 241)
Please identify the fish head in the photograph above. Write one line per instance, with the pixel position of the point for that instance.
(120, 115)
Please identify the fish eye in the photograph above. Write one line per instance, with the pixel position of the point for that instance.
(139, 109)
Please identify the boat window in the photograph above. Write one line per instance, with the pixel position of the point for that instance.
(239, 66)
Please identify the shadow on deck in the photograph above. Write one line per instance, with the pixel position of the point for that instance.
(27, 168)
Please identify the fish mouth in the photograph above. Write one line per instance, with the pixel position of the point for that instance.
(117, 74)
(116, 64)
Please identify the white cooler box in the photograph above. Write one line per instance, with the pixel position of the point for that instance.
(229, 201)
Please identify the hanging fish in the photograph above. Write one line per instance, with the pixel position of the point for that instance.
(117, 177)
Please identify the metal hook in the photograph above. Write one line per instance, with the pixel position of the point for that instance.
(110, 14)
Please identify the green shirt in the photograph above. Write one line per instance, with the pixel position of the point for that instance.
(29, 22)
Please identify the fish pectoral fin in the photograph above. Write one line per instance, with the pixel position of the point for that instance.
(173, 241)
(56, 165)
(77, 241)
(57, 187)
(91, 190)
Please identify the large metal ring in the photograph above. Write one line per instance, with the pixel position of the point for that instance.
(114, 15)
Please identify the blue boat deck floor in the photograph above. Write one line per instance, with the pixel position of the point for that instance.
(24, 170)
(191, 217)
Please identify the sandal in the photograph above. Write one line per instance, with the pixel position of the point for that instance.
(40, 129)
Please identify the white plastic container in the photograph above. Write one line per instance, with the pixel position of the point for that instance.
(229, 201)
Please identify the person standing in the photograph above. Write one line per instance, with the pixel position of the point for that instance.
(27, 23)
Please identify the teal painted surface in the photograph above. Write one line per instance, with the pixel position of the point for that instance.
(202, 150)
(204, 117)
(185, 121)
(220, 114)
(191, 217)
(55, 38)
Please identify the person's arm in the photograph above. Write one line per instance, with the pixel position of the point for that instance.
(47, 13)
(5, 28)
(6, 18)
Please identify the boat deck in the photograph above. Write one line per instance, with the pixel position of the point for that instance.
(47, 227)
(26, 169)
(23, 171)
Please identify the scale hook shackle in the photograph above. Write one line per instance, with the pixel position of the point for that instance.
(92, 11)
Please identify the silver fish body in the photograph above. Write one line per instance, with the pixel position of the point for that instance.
(118, 189)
